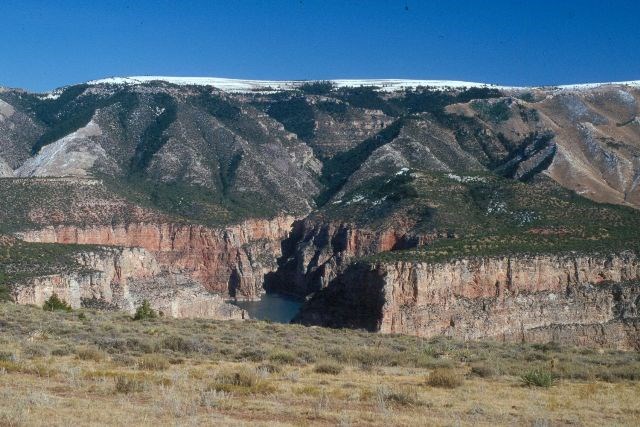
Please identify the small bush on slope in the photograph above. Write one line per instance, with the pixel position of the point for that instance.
(54, 303)
(145, 312)
(538, 378)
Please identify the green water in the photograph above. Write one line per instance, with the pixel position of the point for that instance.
(273, 307)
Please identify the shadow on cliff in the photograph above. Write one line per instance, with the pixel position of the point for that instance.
(354, 299)
(315, 252)
(280, 280)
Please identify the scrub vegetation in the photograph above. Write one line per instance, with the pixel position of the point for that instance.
(94, 367)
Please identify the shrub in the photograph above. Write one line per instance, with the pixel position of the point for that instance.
(5, 294)
(307, 356)
(179, 344)
(538, 378)
(328, 368)
(153, 362)
(243, 380)
(270, 368)
(282, 357)
(368, 357)
(444, 378)
(549, 346)
(126, 384)
(243, 377)
(402, 396)
(213, 398)
(483, 371)
(254, 355)
(145, 312)
(54, 303)
(90, 353)
(124, 360)
(620, 373)
(34, 350)
(8, 356)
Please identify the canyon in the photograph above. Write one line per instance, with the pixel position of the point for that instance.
(518, 298)
(382, 206)
(315, 252)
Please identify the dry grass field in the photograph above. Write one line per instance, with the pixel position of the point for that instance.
(100, 368)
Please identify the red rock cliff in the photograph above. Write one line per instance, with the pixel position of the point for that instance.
(511, 298)
(121, 278)
(231, 260)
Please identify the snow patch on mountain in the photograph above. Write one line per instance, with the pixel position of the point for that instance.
(238, 85)
(386, 85)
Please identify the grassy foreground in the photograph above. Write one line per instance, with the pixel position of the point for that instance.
(96, 368)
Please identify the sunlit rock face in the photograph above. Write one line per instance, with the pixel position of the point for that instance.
(520, 298)
(116, 278)
(231, 261)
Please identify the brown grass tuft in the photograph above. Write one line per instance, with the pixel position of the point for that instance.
(444, 378)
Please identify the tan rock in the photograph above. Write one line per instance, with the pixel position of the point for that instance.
(121, 278)
(508, 298)
(232, 260)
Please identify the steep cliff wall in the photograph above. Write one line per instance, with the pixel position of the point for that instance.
(232, 260)
(510, 298)
(315, 252)
(121, 278)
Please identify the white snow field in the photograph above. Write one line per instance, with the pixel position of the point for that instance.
(387, 85)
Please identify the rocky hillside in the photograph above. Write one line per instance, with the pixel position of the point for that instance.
(234, 187)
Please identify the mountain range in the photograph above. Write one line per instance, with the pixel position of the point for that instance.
(401, 206)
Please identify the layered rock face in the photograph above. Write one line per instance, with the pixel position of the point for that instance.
(316, 252)
(231, 260)
(510, 298)
(121, 278)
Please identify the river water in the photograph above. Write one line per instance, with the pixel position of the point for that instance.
(273, 307)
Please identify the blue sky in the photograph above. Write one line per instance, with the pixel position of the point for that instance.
(47, 44)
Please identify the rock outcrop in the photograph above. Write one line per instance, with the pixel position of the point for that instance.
(232, 260)
(73, 155)
(315, 252)
(509, 298)
(121, 278)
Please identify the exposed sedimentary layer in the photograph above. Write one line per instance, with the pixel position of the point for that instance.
(232, 260)
(121, 278)
(511, 298)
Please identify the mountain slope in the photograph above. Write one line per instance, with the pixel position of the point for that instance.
(229, 182)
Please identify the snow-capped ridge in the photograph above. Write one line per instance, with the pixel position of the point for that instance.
(387, 85)
(241, 85)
